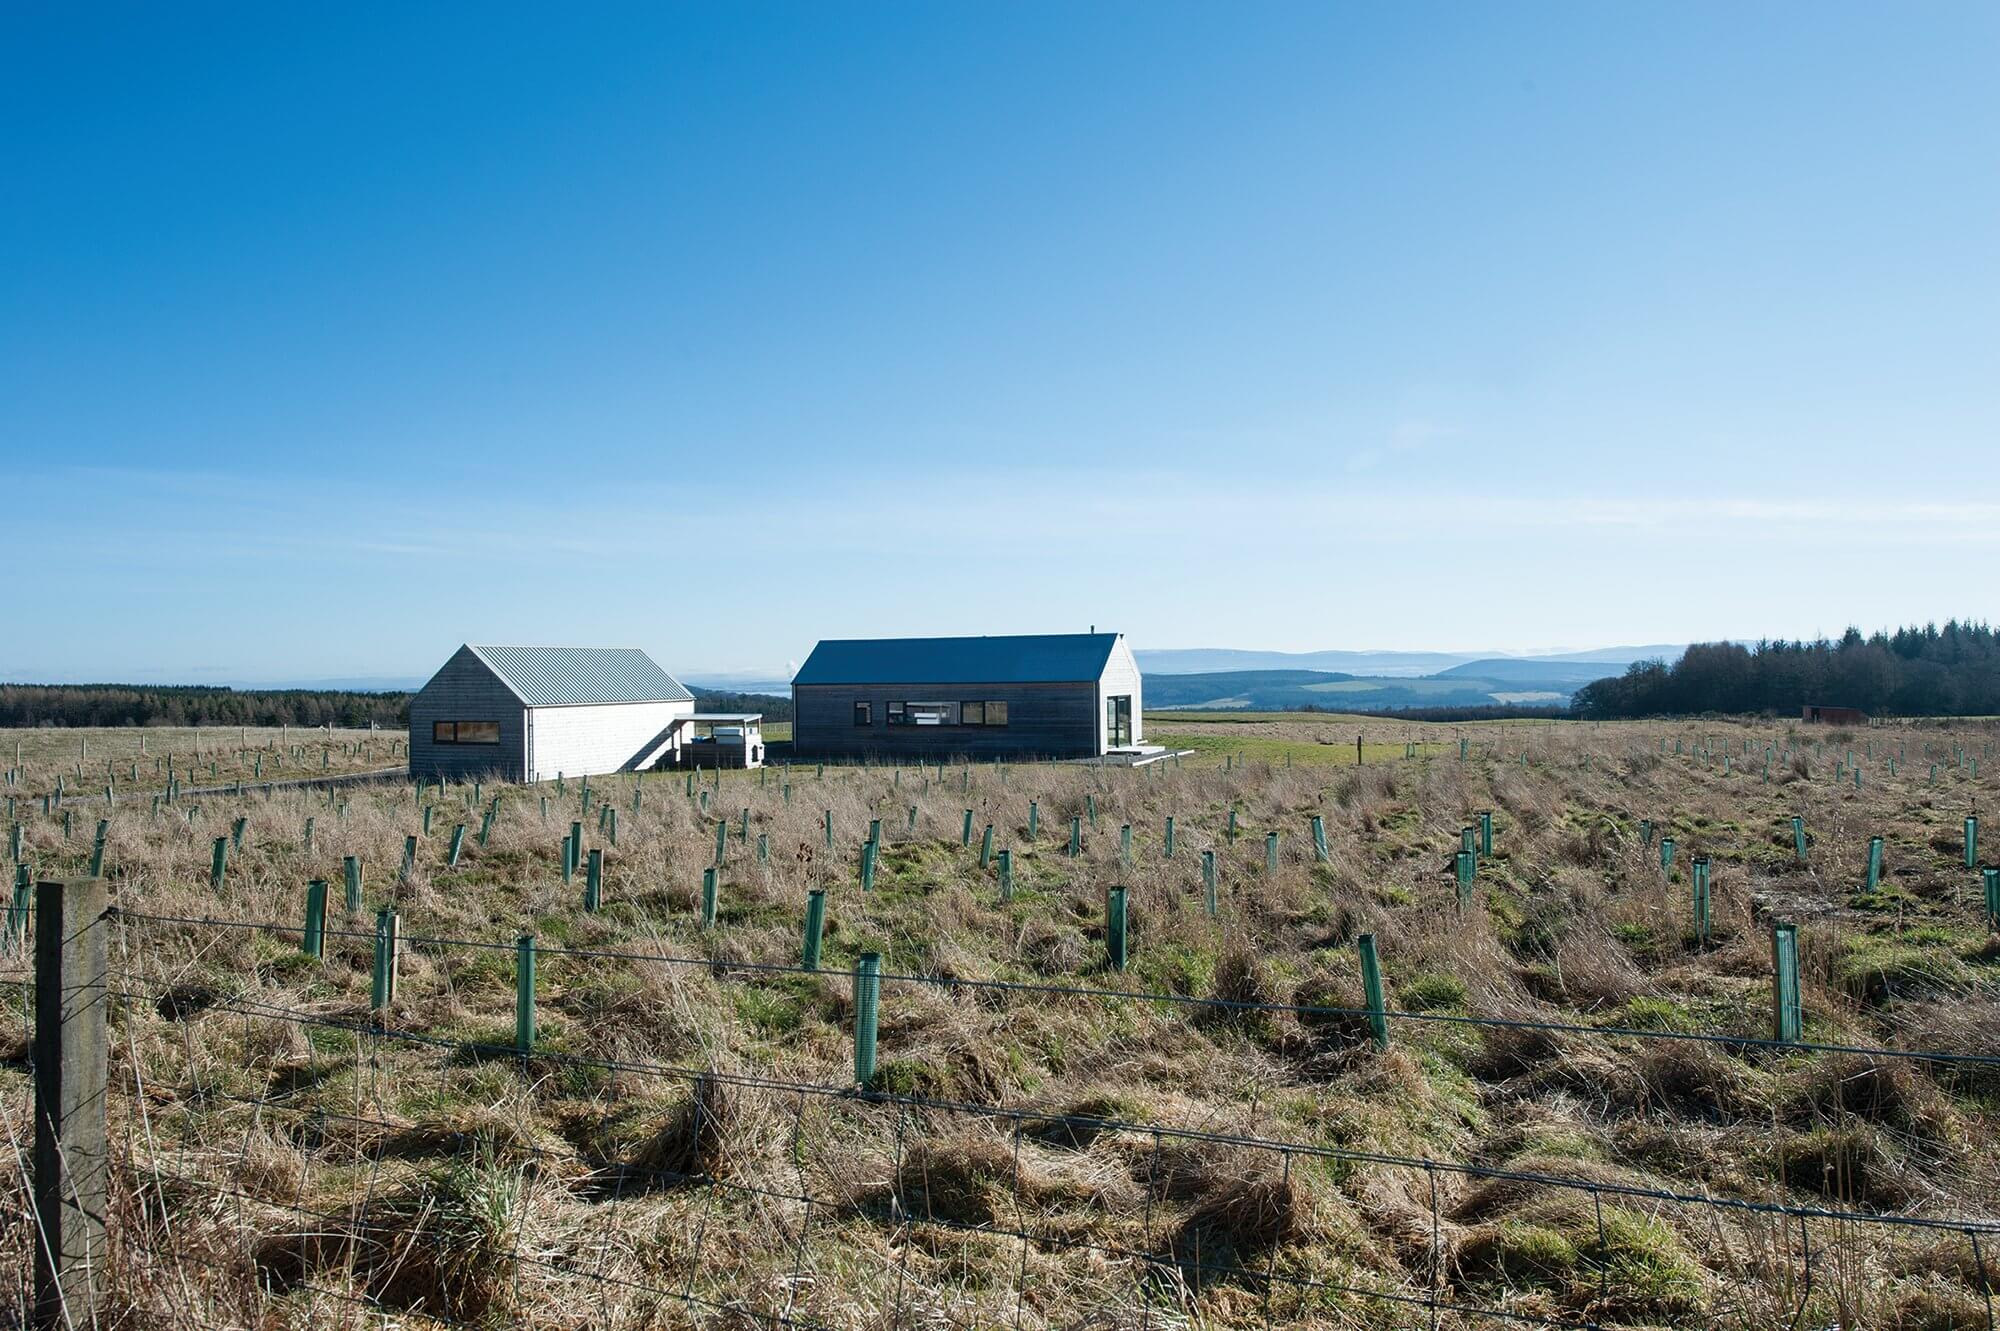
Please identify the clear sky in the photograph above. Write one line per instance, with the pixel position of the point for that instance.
(333, 336)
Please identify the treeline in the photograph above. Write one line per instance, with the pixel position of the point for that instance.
(772, 705)
(1928, 671)
(196, 705)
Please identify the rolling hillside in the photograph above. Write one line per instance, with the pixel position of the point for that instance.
(1291, 690)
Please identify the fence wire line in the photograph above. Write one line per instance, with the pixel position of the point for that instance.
(1043, 1114)
(722, 968)
(1165, 1259)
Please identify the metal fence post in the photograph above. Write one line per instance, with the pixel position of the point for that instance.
(1208, 882)
(71, 1075)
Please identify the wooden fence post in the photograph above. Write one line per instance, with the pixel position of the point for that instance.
(71, 1071)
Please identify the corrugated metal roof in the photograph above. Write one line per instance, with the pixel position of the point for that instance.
(1022, 659)
(564, 676)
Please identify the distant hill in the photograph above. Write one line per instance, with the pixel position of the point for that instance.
(1563, 675)
(1292, 690)
(1210, 660)
(1398, 665)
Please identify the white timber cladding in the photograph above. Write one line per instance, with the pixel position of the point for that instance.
(590, 739)
(1120, 678)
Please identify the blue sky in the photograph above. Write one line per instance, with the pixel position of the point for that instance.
(333, 337)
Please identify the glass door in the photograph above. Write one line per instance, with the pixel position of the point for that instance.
(1118, 721)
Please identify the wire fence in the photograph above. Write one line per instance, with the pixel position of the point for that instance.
(777, 1201)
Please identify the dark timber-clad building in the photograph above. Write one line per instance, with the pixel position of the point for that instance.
(1057, 695)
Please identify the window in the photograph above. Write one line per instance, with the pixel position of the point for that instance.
(864, 714)
(896, 717)
(465, 732)
(927, 713)
(996, 713)
(972, 713)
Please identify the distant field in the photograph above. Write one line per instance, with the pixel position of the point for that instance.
(1578, 1118)
(137, 759)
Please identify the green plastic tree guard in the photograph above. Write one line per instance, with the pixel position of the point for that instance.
(568, 862)
(815, 928)
(1125, 844)
(1319, 839)
(457, 846)
(965, 833)
(868, 853)
(1090, 807)
(1699, 868)
(1006, 875)
(382, 991)
(235, 832)
(1115, 921)
(350, 873)
(97, 847)
(1787, 1016)
(1990, 878)
(1034, 818)
(827, 823)
(218, 862)
(308, 842)
(1075, 837)
(721, 840)
(1167, 844)
(1371, 989)
(524, 993)
(1465, 866)
(427, 819)
(867, 1002)
(1486, 833)
(1270, 852)
(763, 848)
(312, 941)
(708, 896)
(1874, 862)
(986, 847)
(1971, 840)
(1208, 882)
(1666, 854)
(593, 881)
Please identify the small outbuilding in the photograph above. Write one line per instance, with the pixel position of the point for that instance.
(1833, 716)
(1058, 695)
(536, 713)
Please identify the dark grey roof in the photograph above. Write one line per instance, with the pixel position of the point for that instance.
(564, 676)
(1062, 658)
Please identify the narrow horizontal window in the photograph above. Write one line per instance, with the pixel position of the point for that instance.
(931, 713)
(465, 732)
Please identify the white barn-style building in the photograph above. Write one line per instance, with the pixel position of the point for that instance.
(535, 713)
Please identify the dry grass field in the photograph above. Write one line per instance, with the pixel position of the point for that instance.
(1579, 1118)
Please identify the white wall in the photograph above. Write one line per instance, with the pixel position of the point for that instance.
(1121, 676)
(597, 738)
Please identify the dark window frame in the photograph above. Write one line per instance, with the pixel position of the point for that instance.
(864, 713)
(439, 731)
